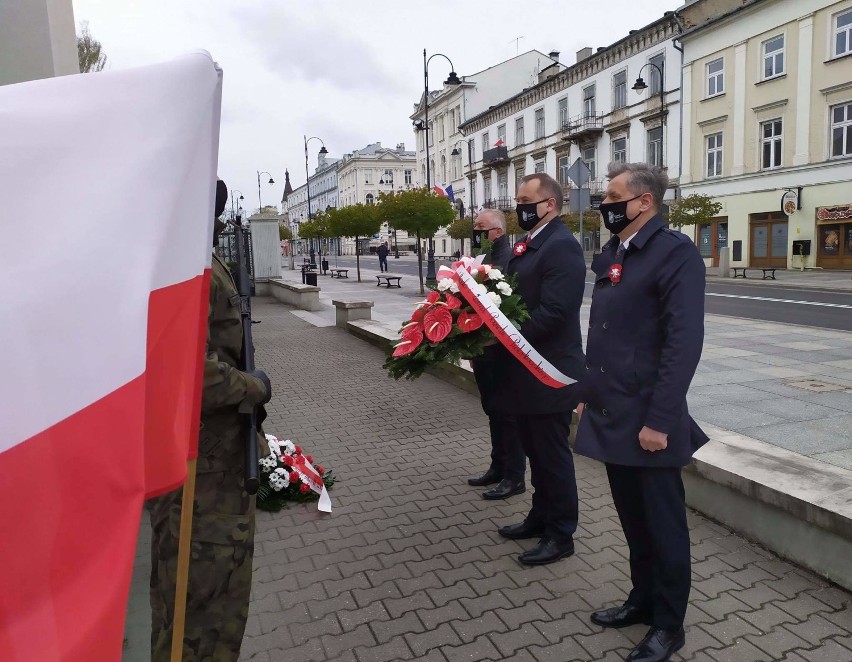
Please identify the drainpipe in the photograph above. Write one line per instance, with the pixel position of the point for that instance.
(679, 47)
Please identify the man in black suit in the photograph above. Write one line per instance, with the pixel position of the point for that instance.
(551, 272)
(646, 330)
(508, 463)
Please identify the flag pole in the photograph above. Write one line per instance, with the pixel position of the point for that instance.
(183, 561)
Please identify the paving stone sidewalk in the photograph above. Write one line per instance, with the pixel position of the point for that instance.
(409, 565)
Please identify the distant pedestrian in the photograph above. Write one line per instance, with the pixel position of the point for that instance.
(646, 329)
(382, 252)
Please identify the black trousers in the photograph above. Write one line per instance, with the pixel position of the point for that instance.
(507, 453)
(651, 507)
(554, 502)
(383, 263)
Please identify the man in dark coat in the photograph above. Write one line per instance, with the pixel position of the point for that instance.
(382, 252)
(646, 330)
(508, 463)
(551, 272)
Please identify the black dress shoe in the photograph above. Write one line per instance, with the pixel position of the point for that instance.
(658, 645)
(488, 478)
(504, 489)
(547, 551)
(520, 531)
(621, 617)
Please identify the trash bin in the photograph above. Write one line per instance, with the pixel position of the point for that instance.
(303, 274)
(311, 278)
(324, 266)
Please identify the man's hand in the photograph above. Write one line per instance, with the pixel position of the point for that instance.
(651, 440)
(579, 410)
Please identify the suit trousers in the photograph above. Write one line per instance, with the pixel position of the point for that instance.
(507, 453)
(652, 511)
(554, 502)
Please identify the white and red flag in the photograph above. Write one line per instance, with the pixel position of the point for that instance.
(103, 315)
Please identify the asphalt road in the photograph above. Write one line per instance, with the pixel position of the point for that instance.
(806, 307)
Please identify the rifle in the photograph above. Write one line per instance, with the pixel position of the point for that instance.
(247, 357)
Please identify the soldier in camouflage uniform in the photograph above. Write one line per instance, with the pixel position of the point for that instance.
(223, 519)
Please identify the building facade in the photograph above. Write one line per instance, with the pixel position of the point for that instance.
(768, 102)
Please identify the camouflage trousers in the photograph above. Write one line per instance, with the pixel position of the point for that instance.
(220, 569)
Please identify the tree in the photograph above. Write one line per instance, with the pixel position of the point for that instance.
(461, 228)
(284, 233)
(591, 221)
(354, 221)
(90, 53)
(418, 211)
(695, 209)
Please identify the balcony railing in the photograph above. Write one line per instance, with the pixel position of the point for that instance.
(496, 156)
(503, 203)
(583, 126)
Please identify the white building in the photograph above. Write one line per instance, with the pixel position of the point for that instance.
(588, 110)
(768, 102)
(323, 196)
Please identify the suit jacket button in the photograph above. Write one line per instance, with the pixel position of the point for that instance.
(605, 325)
(604, 412)
(603, 369)
(588, 367)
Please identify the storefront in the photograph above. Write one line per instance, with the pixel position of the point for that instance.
(768, 240)
(834, 237)
(712, 238)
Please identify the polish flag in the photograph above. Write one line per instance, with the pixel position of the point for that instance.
(445, 191)
(499, 143)
(103, 309)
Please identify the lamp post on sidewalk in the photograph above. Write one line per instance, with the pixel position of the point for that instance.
(640, 85)
(389, 182)
(452, 79)
(271, 181)
(323, 150)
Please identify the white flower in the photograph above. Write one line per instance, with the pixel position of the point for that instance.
(288, 446)
(504, 288)
(270, 438)
(495, 298)
(268, 463)
(277, 485)
(445, 284)
(454, 288)
(495, 274)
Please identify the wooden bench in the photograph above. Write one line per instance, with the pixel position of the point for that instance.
(387, 278)
(339, 273)
(736, 269)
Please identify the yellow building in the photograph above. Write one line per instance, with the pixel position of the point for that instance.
(767, 102)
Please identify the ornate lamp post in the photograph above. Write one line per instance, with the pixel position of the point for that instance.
(640, 85)
(271, 181)
(452, 79)
(323, 150)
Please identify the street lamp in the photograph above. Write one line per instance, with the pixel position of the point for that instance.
(452, 79)
(323, 150)
(470, 184)
(235, 207)
(271, 181)
(389, 182)
(640, 85)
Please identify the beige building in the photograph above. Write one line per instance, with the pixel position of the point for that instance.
(767, 102)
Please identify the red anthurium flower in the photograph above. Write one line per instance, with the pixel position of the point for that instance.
(433, 297)
(453, 302)
(469, 321)
(304, 488)
(438, 323)
(615, 272)
(520, 248)
(412, 336)
(418, 314)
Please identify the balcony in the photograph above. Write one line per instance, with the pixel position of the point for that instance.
(585, 126)
(496, 156)
(503, 203)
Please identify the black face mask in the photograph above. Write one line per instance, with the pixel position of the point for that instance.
(615, 216)
(528, 217)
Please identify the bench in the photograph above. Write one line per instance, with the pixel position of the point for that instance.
(387, 280)
(768, 272)
(339, 273)
(771, 275)
(736, 269)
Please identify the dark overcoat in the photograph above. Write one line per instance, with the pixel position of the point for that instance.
(644, 343)
(551, 277)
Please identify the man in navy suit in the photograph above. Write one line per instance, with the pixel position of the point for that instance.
(551, 272)
(646, 330)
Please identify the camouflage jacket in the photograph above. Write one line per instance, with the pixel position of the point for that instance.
(227, 390)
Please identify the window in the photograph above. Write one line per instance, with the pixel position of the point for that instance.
(408, 177)
(453, 120)
(388, 177)
(619, 150)
(501, 133)
(655, 146)
(842, 34)
(486, 144)
(443, 169)
(431, 133)
(619, 90)
(716, 77)
(539, 123)
(441, 135)
(770, 136)
(714, 155)
(503, 184)
(471, 150)
(773, 57)
(539, 166)
(655, 82)
(841, 130)
(519, 131)
(563, 171)
(368, 176)
(369, 198)
(563, 112)
(589, 101)
(520, 173)
(590, 157)
(487, 188)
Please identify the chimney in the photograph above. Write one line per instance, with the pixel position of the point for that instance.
(400, 147)
(554, 55)
(584, 53)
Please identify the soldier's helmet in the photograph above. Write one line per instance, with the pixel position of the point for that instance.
(221, 197)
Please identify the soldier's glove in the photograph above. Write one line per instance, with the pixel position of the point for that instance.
(260, 417)
(259, 374)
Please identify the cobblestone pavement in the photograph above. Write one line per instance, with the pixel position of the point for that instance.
(410, 566)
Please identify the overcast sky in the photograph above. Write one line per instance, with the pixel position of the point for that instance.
(346, 71)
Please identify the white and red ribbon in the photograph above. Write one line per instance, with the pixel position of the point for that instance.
(312, 478)
(476, 295)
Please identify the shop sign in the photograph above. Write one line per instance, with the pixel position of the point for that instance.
(789, 202)
(835, 213)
